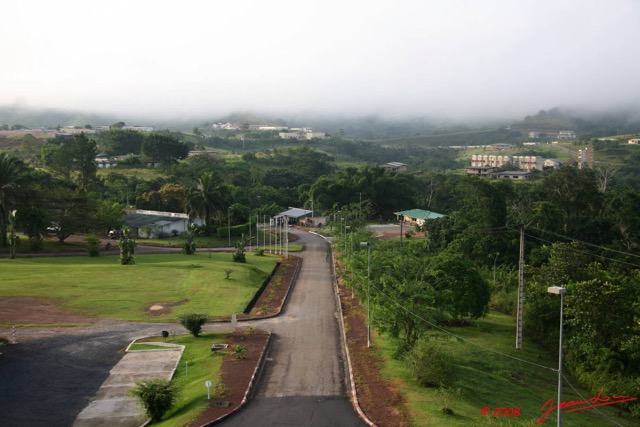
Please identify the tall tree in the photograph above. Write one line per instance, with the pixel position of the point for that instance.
(209, 199)
(121, 141)
(12, 172)
(84, 153)
(165, 149)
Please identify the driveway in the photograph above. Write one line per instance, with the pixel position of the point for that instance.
(304, 380)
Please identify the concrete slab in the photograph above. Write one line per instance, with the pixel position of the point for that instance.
(111, 406)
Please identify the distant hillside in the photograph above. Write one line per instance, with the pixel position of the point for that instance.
(473, 137)
(586, 124)
(38, 117)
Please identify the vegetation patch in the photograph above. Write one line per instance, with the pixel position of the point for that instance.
(100, 287)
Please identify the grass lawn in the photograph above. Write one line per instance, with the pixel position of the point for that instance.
(485, 379)
(101, 287)
(197, 365)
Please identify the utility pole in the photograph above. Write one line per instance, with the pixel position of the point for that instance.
(520, 292)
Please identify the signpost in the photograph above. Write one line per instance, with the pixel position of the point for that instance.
(207, 384)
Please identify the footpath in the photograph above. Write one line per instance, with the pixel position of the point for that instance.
(111, 406)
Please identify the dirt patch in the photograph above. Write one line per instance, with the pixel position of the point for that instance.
(396, 235)
(20, 311)
(161, 308)
(379, 400)
(275, 293)
(235, 374)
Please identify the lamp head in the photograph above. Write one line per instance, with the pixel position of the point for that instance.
(558, 290)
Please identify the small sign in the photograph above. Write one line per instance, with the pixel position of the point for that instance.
(207, 383)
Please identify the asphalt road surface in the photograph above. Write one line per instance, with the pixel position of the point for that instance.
(51, 375)
(303, 382)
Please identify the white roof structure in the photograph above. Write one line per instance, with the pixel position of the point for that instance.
(295, 213)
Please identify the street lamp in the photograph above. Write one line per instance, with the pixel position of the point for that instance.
(346, 227)
(368, 245)
(229, 223)
(558, 290)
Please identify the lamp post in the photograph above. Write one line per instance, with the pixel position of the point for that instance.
(229, 224)
(368, 245)
(495, 259)
(346, 227)
(558, 290)
(258, 222)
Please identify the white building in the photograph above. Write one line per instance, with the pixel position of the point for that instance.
(302, 133)
(154, 224)
(567, 134)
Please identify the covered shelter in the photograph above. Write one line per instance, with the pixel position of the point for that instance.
(299, 216)
(418, 216)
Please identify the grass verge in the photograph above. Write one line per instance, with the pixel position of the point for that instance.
(197, 365)
(484, 379)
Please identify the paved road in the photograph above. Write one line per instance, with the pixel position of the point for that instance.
(303, 382)
(49, 377)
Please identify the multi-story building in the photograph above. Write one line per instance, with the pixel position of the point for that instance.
(567, 134)
(585, 158)
(526, 163)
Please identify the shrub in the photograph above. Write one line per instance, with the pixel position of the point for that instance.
(127, 247)
(239, 255)
(430, 366)
(227, 273)
(259, 251)
(156, 396)
(239, 351)
(94, 245)
(193, 322)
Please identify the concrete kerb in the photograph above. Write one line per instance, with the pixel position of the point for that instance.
(175, 367)
(279, 312)
(351, 385)
(252, 383)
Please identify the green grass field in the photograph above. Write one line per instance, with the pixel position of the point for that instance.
(197, 365)
(483, 379)
(101, 287)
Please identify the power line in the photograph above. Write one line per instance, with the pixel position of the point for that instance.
(592, 407)
(433, 325)
(586, 253)
(586, 243)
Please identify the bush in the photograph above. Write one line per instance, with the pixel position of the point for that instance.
(156, 396)
(239, 351)
(430, 366)
(259, 251)
(193, 322)
(94, 245)
(239, 255)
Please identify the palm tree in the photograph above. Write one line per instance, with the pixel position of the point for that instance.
(11, 172)
(209, 199)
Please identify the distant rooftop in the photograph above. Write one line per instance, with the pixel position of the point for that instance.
(295, 213)
(420, 214)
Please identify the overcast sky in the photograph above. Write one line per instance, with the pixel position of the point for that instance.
(417, 57)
